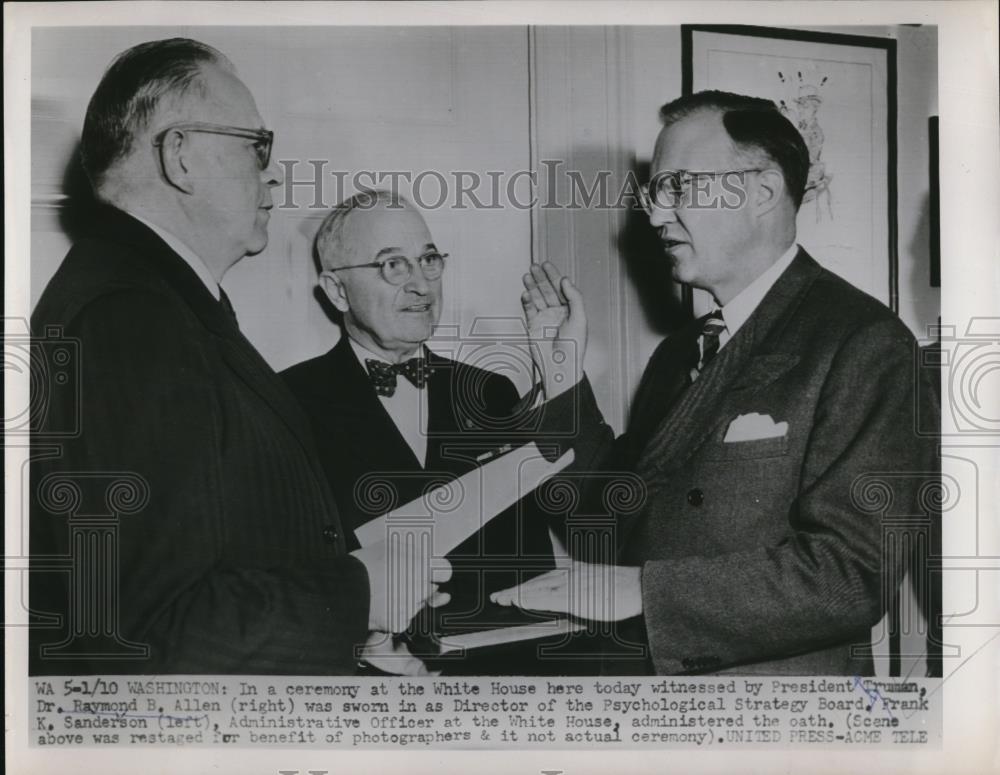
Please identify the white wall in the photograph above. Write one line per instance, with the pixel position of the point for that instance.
(919, 304)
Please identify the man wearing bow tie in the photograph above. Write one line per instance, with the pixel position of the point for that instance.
(774, 436)
(391, 417)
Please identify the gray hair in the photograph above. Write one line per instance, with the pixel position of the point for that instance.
(129, 93)
(330, 237)
(754, 124)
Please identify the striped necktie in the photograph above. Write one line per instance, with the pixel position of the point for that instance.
(712, 325)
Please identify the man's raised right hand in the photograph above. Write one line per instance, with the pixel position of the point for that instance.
(557, 326)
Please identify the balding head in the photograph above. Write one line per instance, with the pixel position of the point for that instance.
(758, 130)
(338, 237)
(389, 317)
(135, 87)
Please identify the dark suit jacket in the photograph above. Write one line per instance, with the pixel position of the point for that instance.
(235, 561)
(472, 412)
(774, 555)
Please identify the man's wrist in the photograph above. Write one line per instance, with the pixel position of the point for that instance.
(559, 382)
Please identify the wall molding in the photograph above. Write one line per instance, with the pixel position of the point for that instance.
(580, 96)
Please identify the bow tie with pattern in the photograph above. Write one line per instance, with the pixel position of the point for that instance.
(383, 375)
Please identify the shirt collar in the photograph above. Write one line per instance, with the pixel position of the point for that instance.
(181, 249)
(740, 308)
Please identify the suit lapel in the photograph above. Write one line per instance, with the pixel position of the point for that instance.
(248, 364)
(440, 417)
(367, 423)
(689, 418)
(236, 351)
(442, 414)
(117, 226)
(663, 384)
(742, 368)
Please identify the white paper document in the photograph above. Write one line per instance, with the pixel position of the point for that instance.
(471, 640)
(457, 510)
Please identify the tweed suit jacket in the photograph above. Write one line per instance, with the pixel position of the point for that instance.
(236, 561)
(765, 555)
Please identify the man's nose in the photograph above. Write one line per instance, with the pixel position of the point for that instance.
(660, 216)
(417, 283)
(272, 174)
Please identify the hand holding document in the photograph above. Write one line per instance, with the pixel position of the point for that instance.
(392, 655)
(604, 593)
(400, 583)
(455, 511)
(404, 551)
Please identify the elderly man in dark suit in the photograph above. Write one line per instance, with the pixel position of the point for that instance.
(233, 558)
(391, 417)
(757, 430)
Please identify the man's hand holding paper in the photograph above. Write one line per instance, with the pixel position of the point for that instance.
(604, 593)
(402, 581)
(404, 551)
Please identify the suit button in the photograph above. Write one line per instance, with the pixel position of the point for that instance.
(695, 496)
(330, 534)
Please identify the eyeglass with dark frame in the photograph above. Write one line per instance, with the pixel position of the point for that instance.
(668, 186)
(396, 270)
(263, 138)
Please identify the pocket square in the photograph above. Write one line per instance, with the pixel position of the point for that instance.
(754, 426)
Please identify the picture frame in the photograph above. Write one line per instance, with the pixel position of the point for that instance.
(840, 92)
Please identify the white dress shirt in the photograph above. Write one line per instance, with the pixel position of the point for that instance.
(179, 247)
(408, 406)
(742, 306)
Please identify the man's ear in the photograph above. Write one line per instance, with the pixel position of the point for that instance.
(334, 290)
(175, 161)
(770, 190)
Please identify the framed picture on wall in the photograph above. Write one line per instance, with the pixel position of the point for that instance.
(840, 91)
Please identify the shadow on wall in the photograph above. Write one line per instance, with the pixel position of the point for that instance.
(649, 269)
(925, 299)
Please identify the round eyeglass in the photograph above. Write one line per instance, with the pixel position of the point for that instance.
(668, 187)
(263, 138)
(396, 270)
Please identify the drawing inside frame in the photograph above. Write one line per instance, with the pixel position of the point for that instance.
(840, 91)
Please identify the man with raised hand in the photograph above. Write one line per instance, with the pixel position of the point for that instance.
(758, 430)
